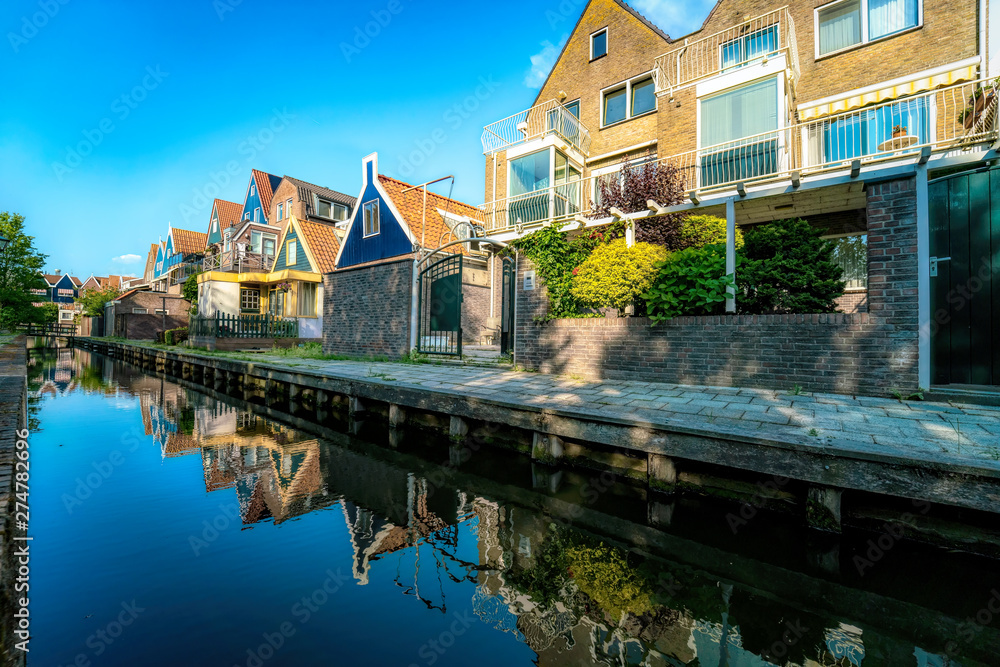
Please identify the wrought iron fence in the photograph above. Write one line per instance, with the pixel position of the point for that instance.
(224, 325)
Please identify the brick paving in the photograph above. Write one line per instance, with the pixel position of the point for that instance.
(936, 432)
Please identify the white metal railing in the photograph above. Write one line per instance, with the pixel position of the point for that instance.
(539, 121)
(238, 262)
(755, 40)
(943, 120)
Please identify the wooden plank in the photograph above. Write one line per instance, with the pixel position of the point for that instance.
(979, 285)
(940, 246)
(958, 302)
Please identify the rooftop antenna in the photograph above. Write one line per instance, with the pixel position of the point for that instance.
(423, 186)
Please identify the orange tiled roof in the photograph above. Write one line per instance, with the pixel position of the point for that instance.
(187, 242)
(411, 206)
(229, 213)
(264, 191)
(323, 244)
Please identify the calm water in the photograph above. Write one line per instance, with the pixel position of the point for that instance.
(174, 529)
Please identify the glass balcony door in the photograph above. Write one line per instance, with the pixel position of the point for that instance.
(739, 134)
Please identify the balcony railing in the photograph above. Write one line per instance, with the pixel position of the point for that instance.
(946, 120)
(756, 40)
(549, 118)
(236, 261)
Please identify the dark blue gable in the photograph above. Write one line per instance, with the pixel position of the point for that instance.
(65, 283)
(391, 241)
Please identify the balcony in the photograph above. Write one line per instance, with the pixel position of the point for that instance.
(547, 119)
(754, 41)
(947, 121)
(236, 261)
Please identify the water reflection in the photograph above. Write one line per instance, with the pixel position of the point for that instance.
(573, 596)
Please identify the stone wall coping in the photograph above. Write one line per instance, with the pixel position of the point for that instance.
(718, 320)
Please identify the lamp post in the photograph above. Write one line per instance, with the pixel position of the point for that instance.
(3, 243)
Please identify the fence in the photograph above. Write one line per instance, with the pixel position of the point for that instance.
(244, 326)
(238, 261)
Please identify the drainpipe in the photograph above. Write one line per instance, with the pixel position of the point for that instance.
(731, 252)
(414, 286)
(492, 286)
(923, 278)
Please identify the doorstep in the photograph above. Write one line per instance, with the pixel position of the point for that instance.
(965, 393)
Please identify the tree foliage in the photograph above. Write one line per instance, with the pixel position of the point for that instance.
(614, 275)
(698, 231)
(690, 282)
(20, 272)
(662, 182)
(93, 300)
(788, 268)
(190, 289)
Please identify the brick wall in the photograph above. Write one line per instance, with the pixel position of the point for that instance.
(865, 353)
(366, 311)
(475, 310)
(146, 327)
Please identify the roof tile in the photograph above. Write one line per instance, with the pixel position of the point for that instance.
(411, 206)
(187, 242)
(323, 243)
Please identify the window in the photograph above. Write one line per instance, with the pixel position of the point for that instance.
(330, 210)
(65, 314)
(228, 239)
(871, 131)
(749, 48)
(307, 300)
(371, 219)
(269, 245)
(726, 120)
(256, 215)
(39, 292)
(599, 44)
(281, 211)
(253, 189)
(140, 311)
(847, 23)
(531, 177)
(851, 254)
(634, 98)
(215, 223)
(340, 212)
(291, 253)
(160, 311)
(261, 243)
(250, 300)
(615, 174)
(573, 108)
(529, 173)
(65, 292)
(276, 302)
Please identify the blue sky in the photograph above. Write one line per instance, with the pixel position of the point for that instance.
(121, 117)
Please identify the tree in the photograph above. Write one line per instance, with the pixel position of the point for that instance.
(788, 268)
(93, 300)
(190, 291)
(20, 272)
(614, 275)
(660, 181)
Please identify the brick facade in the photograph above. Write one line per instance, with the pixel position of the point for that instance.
(146, 327)
(864, 353)
(366, 310)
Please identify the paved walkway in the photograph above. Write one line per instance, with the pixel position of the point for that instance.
(940, 432)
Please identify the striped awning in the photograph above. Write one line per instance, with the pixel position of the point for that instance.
(889, 93)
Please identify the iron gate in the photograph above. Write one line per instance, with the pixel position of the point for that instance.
(439, 312)
(507, 307)
(965, 278)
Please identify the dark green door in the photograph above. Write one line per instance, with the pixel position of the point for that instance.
(965, 278)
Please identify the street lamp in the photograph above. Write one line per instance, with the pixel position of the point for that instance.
(3, 243)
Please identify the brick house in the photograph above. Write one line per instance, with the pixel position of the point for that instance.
(824, 111)
(141, 314)
(371, 308)
(306, 201)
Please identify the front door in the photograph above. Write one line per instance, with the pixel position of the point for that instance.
(439, 320)
(965, 278)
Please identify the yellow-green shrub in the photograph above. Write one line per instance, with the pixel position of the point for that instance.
(698, 231)
(614, 275)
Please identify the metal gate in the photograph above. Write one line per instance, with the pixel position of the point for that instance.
(507, 307)
(439, 313)
(965, 278)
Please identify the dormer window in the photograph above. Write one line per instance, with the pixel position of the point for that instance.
(599, 44)
(371, 218)
(331, 210)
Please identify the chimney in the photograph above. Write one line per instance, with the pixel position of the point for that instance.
(58, 272)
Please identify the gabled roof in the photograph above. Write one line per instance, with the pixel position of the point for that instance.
(649, 24)
(411, 206)
(306, 190)
(322, 241)
(151, 258)
(187, 242)
(110, 281)
(76, 281)
(266, 185)
(229, 212)
(52, 279)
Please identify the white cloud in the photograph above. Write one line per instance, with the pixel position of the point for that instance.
(127, 259)
(674, 17)
(543, 62)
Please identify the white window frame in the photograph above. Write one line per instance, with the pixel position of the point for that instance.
(281, 210)
(864, 27)
(256, 214)
(249, 294)
(140, 311)
(330, 203)
(607, 43)
(160, 311)
(291, 252)
(376, 219)
(253, 189)
(227, 237)
(299, 301)
(596, 174)
(215, 223)
(627, 87)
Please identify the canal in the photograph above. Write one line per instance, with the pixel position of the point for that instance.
(176, 528)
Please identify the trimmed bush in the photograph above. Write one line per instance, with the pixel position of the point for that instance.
(690, 282)
(788, 268)
(698, 231)
(175, 336)
(614, 275)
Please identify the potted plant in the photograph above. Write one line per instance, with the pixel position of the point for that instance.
(284, 287)
(898, 131)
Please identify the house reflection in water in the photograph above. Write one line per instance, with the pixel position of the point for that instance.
(572, 598)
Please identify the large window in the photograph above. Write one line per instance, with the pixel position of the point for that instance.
(749, 48)
(629, 100)
(872, 131)
(371, 218)
(851, 254)
(610, 176)
(276, 302)
(307, 300)
(330, 210)
(529, 173)
(841, 25)
(531, 186)
(250, 300)
(262, 243)
(738, 129)
(599, 44)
